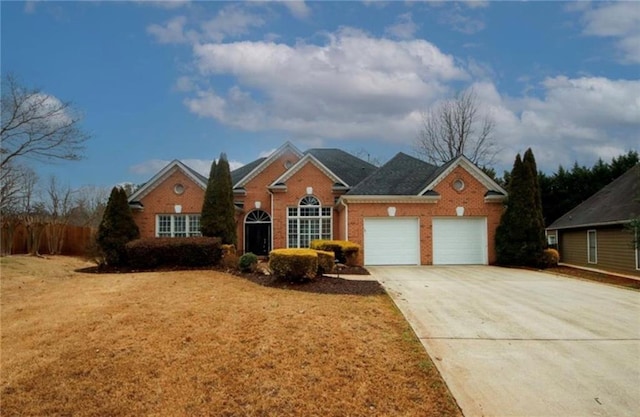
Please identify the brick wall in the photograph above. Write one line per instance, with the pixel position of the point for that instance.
(471, 198)
(256, 190)
(307, 176)
(163, 199)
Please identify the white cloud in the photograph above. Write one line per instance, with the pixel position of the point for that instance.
(171, 32)
(150, 167)
(576, 119)
(404, 28)
(298, 8)
(620, 20)
(354, 85)
(461, 22)
(202, 166)
(230, 21)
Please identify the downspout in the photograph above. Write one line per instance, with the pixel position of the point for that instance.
(272, 214)
(346, 219)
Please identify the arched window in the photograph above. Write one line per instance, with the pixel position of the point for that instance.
(258, 216)
(308, 221)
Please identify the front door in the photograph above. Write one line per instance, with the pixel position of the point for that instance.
(257, 238)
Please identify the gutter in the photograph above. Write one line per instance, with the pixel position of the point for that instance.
(391, 199)
(577, 226)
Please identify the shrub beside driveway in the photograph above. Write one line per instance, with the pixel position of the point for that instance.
(202, 343)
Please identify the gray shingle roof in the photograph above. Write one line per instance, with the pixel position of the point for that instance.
(346, 166)
(240, 173)
(196, 174)
(615, 203)
(402, 175)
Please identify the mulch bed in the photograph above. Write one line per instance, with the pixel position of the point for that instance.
(596, 276)
(320, 285)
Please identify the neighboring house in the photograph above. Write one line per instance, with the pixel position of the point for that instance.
(594, 234)
(406, 212)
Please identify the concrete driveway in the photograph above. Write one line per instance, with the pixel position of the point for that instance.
(521, 343)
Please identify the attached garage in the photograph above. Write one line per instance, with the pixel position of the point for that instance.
(392, 241)
(460, 241)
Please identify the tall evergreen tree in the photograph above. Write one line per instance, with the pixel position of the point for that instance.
(537, 241)
(207, 214)
(116, 228)
(520, 235)
(220, 210)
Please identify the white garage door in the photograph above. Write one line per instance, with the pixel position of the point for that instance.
(392, 241)
(459, 241)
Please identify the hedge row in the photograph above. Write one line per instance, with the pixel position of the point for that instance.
(300, 263)
(149, 253)
(345, 252)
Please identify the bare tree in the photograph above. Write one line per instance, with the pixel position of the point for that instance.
(59, 205)
(90, 202)
(456, 127)
(37, 125)
(17, 189)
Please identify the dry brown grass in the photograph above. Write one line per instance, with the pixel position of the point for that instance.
(202, 343)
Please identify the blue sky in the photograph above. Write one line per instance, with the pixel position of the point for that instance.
(158, 81)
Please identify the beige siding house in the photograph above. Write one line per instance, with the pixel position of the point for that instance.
(596, 233)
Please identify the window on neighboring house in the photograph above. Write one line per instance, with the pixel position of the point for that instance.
(308, 221)
(637, 249)
(592, 247)
(178, 225)
(552, 240)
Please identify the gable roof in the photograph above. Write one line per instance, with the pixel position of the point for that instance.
(243, 171)
(198, 178)
(402, 175)
(464, 162)
(349, 168)
(614, 204)
(308, 158)
(258, 167)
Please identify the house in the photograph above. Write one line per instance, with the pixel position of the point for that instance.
(405, 212)
(594, 234)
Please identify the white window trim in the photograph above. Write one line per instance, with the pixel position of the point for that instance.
(595, 239)
(637, 250)
(298, 218)
(173, 216)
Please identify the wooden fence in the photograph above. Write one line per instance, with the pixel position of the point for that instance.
(75, 242)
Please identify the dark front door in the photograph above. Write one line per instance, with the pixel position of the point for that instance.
(258, 238)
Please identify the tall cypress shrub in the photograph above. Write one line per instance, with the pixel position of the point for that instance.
(537, 241)
(207, 214)
(218, 212)
(116, 228)
(520, 235)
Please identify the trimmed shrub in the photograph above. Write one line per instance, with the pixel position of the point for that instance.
(345, 252)
(150, 253)
(294, 264)
(248, 262)
(550, 258)
(326, 261)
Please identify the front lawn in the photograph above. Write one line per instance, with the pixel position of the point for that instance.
(202, 343)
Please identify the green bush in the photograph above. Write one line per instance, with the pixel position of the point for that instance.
(550, 258)
(295, 264)
(150, 253)
(116, 229)
(248, 262)
(326, 261)
(345, 252)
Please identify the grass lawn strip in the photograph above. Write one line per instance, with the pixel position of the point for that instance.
(202, 343)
